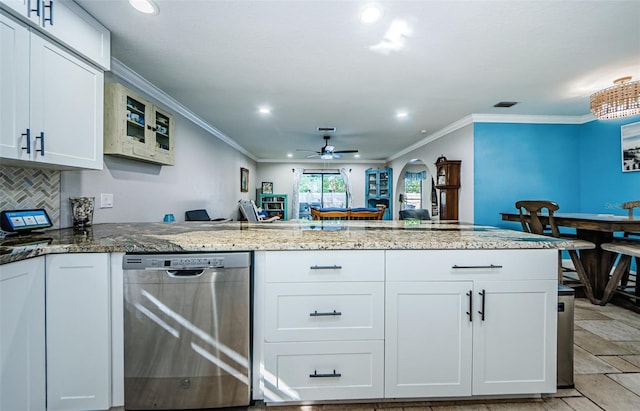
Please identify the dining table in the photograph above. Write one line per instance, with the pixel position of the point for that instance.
(596, 228)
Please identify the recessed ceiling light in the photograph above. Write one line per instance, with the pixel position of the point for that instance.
(356, 155)
(402, 114)
(264, 110)
(289, 155)
(145, 6)
(370, 15)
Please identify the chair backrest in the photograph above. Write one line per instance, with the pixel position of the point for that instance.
(196, 215)
(630, 205)
(248, 210)
(530, 217)
(330, 213)
(415, 214)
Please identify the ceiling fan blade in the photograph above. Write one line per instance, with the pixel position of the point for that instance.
(345, 151)
(313, 155)
(311, 151)
(336, 155)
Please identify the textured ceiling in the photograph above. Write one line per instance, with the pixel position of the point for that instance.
(312, 63)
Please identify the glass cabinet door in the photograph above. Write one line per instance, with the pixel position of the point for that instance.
(163, 137)
(135, 119)
(372, 184)
(384, 184)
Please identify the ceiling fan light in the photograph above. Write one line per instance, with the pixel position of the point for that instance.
(327, 157)
(620, 100)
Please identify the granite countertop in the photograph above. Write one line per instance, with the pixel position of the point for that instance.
(285, 235)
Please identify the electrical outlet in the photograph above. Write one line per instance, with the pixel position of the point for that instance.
(106, 200)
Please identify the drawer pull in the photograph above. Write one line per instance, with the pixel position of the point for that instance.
(326, 267)
(316, 375)
(464, 267)
(317, 314)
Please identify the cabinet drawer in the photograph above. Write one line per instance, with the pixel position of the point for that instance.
(323, 371)
(324, 266)
(428, 265)
(322, 312)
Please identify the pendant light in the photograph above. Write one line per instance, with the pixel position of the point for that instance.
(621, 100)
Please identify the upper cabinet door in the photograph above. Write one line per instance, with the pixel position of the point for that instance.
(67, 100)
(31, 9)
(14, 90)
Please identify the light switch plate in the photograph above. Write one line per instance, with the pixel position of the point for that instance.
(106, 200)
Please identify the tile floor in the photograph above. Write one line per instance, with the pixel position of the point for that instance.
(606, 371)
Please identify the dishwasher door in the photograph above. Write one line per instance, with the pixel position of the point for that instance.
(186, 331)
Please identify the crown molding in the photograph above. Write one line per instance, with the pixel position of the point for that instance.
(307, 161)
(122, 71)
(494, 118)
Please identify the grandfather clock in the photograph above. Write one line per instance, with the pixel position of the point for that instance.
(448, 182)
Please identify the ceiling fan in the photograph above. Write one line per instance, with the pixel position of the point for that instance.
(328, 152)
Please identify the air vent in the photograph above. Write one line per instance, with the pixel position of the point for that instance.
(505, 104)
(327, 129)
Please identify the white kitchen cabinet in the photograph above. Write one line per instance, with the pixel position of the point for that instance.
(22, 336)
(135, 128)
(514, 346)
(66, 22)
(63, 127)
(14, 90)
(319, 325)
(78, 332)
(428, 339)
(462, 323)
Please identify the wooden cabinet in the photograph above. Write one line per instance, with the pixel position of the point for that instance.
(67, 23)
(136, 128)
(78, 332)
(448, 182)
(22, 335)
(379, 189)
(54, 103)
(320, 326)
(470, 323)
(274, 204)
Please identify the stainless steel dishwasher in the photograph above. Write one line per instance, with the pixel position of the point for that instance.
(187, 330)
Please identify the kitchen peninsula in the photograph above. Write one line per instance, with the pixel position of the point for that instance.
(414, 310)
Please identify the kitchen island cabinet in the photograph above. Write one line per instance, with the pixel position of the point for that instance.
(470, 323)
(349, 294)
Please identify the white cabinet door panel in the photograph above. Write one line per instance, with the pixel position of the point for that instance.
(432, 265)
(321, 312)
(323, 370)
(325, 266)
(428, 339)
(514, 347)
(14, 89)
(22, 336)
(66, 105)
(78, 332)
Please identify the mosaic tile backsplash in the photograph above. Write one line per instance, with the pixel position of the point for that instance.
(22, 188)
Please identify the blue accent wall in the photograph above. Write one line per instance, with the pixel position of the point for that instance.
(516, 161)
(603, 185)
(578, 166)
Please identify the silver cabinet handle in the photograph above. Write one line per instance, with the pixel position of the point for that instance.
(325, 314)
(326, 267)
(466, 267)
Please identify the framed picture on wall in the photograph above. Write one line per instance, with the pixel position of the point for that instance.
(630, 134)
(244, 180)
(267, 187)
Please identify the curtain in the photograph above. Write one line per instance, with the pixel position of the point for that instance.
(420, 175)
(295, 198)
(344, 173)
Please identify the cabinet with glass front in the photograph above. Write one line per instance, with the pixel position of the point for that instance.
(136, 128)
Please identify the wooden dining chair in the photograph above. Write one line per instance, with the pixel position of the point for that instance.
(635, 236)
(530, 212)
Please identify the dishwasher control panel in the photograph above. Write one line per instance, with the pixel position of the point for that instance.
(184, 261)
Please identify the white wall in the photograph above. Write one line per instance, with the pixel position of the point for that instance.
(281, 175)
(457, 145)
(206, 175)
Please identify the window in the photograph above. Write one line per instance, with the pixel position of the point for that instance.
(413, 193)
(321, 189)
